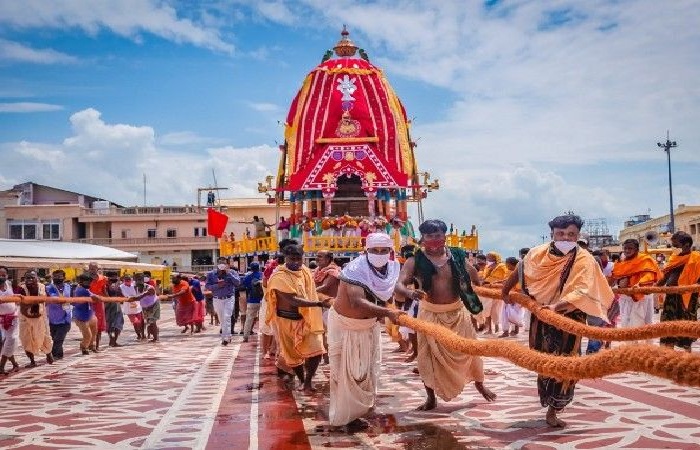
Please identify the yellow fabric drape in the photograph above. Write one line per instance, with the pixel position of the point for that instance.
(301, 284)
(586, 287)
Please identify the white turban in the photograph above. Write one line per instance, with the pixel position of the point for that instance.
(375, 240)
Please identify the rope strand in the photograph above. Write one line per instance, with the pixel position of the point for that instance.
(675, 328)
(680, 367)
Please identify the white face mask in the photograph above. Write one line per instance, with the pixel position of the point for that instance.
(222, 267)
(378, 261)
(146, 279)
(564, 246)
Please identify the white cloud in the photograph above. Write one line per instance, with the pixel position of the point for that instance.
(276, 11)
(109, 160)
(14, 51)
(28, 107)
(265, 107)
(180, 138)
(126, 18)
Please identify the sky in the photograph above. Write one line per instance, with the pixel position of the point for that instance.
(522, 109)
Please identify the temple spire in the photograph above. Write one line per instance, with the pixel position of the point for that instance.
(345, 47)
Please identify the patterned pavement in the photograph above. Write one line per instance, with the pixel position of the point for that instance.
(192, 393)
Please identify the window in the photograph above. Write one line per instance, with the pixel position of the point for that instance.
(50, 231)
(171, 233)
(21, 230)
(151, 232)
(693, 228)
(126, 233)
(15, 232)
(200, 231)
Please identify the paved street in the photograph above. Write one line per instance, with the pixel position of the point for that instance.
(190, 392)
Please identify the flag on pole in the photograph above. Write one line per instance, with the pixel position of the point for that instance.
(216, 222)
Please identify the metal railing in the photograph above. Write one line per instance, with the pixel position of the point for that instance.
(143, 210)
(147, 241)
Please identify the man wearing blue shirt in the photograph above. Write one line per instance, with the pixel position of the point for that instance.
(60, 314)
(222, 283)
(254, 294)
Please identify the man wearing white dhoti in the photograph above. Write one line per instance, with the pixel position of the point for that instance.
(354, 346)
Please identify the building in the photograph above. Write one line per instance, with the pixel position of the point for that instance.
(686, 218)
(157, 234)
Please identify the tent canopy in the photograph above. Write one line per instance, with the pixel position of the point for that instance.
(73, 251)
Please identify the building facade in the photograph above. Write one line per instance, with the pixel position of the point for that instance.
(157, 234)
(686, 218)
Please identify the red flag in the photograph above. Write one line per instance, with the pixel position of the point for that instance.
(216, 222)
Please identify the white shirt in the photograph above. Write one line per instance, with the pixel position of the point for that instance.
(130, 307)
(8, 308)
(608, 269)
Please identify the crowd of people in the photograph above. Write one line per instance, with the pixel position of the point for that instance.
(334, 314)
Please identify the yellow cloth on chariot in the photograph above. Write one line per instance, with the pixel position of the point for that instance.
(443, 369)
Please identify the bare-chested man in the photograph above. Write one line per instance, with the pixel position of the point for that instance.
(327, 282)
(354, 345)
(445, 276)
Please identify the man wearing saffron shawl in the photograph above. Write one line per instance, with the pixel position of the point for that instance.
(495, 273)
(296, 310)
(634, 271)
(567, 279)
(446, 276)
(354, 344)
(682, 269)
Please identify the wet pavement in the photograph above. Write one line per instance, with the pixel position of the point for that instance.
(191, 392)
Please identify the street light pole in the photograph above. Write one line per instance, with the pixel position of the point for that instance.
(667, 146)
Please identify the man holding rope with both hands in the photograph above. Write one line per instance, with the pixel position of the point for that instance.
(560, 276)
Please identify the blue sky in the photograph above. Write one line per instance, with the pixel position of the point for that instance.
(523, 109)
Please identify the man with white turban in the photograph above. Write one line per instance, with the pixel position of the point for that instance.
(354, 345)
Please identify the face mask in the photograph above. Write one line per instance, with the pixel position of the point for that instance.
(378, 261)
(221, 267)
(564, 246)
(434, 244)
(490, 263)
(146, 279)
(293, 266)
(59, 281)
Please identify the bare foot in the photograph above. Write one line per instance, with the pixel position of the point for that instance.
(430, 403)
(412, 357)
(308, 389)
(552, 419)
(483, 390)
(357, 425)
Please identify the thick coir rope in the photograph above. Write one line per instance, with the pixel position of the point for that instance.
(47, 299)
(679, 367)
(676, 328)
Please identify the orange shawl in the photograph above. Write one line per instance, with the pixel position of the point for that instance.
(642, 270)
(689, 275)
(586, 287)
(301, 284)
